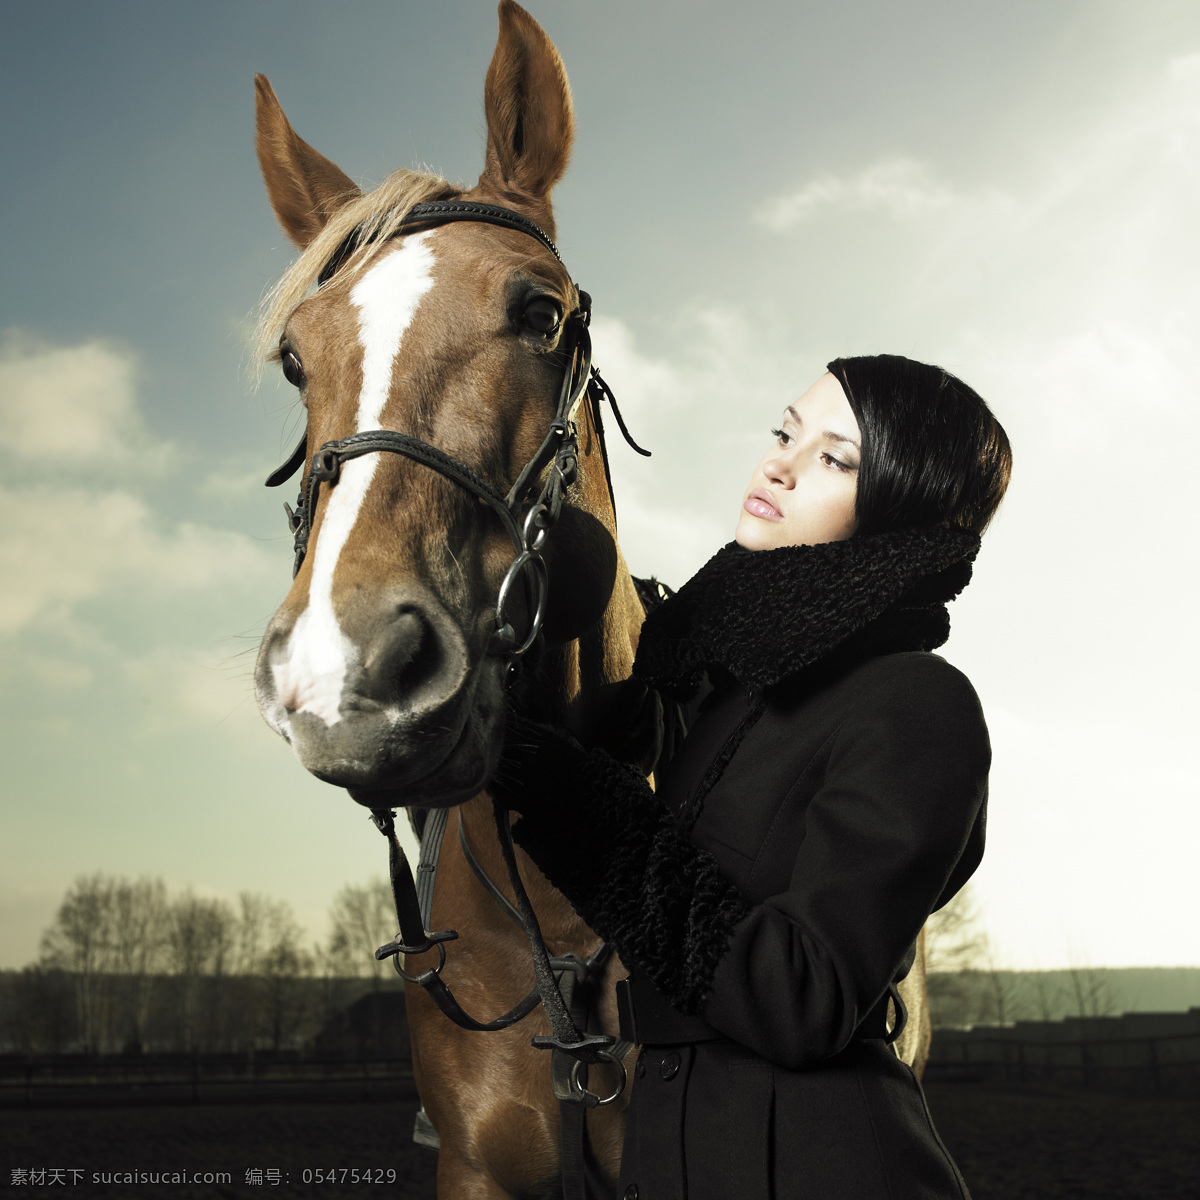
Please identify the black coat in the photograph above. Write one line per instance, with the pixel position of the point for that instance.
(844, 816)
(829, 796)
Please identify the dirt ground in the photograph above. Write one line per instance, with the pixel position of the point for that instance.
(1032, 1143)
(237, 1138)
(1053, 1143)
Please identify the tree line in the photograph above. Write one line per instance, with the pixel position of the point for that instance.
(126, 966)
(966, 987)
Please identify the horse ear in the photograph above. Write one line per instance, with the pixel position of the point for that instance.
(530, 121)
(304, 187)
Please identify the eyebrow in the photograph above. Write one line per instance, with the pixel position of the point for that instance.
(827, 433)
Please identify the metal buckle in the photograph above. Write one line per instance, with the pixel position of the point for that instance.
(567, 1059)
(593, 1099)
(541, 516)
(505, 634)
(327, 464)
(395, 948)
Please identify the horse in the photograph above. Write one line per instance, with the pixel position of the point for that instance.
(385, 667)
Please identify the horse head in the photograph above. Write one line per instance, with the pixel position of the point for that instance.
(382, 668)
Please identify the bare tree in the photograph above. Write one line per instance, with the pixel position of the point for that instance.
(956, 950)
(1001, 990)
(285, 962)
(270, 957)
(954, 935)
(80, 941)
(199, 945)
(139, 911)
(1090, 991)
(235, 972)
(361, 918)
(1045, 1000)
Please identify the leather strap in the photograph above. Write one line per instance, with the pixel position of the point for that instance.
(874, 1026)
(442, 212)
(427, 864)
(415, 939)
(483, 877)
(295, 461)
(593, 965)
(327, 464)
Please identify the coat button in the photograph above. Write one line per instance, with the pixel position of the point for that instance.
(669, 1067)
(631, 1192)
(640, 1069)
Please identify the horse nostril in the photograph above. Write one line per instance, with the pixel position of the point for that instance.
(404, 655)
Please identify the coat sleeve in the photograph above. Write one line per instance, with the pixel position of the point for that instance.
(888, 836)
(885, 835)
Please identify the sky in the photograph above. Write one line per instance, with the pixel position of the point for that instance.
(1011, 191)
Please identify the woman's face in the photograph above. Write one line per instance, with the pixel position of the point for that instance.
(802, 492)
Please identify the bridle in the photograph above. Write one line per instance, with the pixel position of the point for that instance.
(528, 528)
(559, 449)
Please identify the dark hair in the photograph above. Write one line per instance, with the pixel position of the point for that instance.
(932, 452)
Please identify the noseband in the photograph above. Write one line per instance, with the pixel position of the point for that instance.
(528, 527)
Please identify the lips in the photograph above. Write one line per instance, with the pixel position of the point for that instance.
(759, 504)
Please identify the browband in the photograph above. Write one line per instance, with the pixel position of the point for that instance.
(442, 212)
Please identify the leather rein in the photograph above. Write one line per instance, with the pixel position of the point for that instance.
(528, 528)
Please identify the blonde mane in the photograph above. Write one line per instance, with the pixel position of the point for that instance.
(375, 215)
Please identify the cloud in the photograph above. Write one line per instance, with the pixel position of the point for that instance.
(58, 548)
(1069, 294)
(901, 188)
(1077, 309)
(233, 487)
(71, 412)
(73, 405)
(1090, 227)
(54, 674)
(184, 687)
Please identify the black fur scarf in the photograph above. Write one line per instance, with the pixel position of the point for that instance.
(759, 616)
(762, 615)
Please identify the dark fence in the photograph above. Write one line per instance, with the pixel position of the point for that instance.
(1153, 1052)
(92, 1080)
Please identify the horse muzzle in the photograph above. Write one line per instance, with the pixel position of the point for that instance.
(383, 701)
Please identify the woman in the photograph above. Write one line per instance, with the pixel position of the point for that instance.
(829, 795)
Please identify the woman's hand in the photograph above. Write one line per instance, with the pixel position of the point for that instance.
(597, 831)
(540, 765)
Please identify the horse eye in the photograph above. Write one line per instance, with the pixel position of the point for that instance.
(293, 372)
(542, 315)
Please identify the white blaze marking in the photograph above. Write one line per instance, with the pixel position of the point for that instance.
(311, 677)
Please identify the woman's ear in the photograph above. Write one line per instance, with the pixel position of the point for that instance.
(304, 187)
(530, 121)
